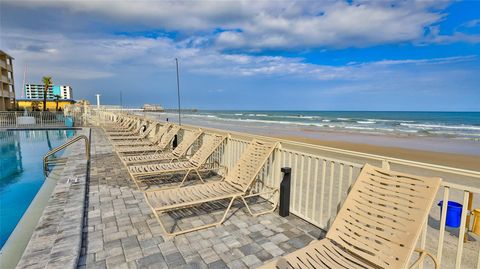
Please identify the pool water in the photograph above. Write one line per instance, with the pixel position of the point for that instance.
(21, 171)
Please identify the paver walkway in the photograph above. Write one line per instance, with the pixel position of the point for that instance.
(122, 232)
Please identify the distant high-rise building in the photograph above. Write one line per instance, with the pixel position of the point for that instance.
(35, 91)
(7, 89)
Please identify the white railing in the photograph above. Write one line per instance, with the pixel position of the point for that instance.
(28, 119)
(322, 176)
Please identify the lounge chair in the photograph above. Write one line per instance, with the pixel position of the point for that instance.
(377, 227)
(123, 124)
(196, 163)
(237, 184)
(134, 130)
(163, 144)
(145, 142)
(114, 122)
(179, 152)
(119, 122)
(134, 138)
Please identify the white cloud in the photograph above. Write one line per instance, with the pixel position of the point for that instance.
(472, 23)
(257, 25)
(68, 58)
(443, 60)
(434, 35)
(338, 25)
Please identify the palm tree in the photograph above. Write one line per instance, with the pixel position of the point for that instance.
(47, 81)
(57, 97)
(35, 105)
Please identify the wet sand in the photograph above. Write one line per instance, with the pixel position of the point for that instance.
(470, 162)
(435, 150)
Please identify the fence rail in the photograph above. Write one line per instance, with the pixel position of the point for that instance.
(322, 177)
(31, 118)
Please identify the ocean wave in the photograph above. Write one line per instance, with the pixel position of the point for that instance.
(455, 133)
(439, 126)
(258, 115)
(300, 116)
(359, 128)
(384, 120)
(359, 124)
(281, 122)
(198, 116)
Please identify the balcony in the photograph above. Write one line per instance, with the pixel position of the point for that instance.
(6, 94)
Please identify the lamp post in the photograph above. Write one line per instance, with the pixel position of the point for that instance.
(98, 100)
(178, 94)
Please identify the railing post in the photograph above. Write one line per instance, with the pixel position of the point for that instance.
(385, 164)
(469, 210)
(175, 142)
(284, 209)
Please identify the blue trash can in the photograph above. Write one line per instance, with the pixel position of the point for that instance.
(454, 213)
(69, 121)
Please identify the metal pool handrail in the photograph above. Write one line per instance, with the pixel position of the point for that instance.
(63, 146)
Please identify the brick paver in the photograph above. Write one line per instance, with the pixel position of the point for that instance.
(122, 232)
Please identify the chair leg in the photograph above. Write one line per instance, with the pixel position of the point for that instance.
(214, 224)
(134, 179)
(423, 254)
(199, 176)
(261, 212)
(184, 178)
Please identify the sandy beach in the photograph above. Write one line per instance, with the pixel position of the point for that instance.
(458, 153)
(470, 162)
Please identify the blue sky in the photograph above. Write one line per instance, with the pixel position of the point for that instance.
(287, 55)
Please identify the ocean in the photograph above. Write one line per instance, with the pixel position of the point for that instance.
(455, 125)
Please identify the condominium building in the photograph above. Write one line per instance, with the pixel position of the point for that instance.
(7, 89)
(35, 91)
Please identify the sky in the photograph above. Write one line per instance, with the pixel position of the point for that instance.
(252, 55)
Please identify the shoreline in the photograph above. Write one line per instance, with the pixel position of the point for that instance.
(411, 142)
(463, 154)
(463, 161)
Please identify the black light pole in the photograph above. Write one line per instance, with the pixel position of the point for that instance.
(178, 92)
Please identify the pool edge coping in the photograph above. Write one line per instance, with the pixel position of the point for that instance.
(16, 255)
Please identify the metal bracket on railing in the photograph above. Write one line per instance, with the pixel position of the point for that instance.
(63, 146)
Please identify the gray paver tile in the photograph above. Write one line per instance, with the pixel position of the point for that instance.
(174, 259)
(217, 265)
(152, 261)
(123, 231)
(237, 264)
(251, 260)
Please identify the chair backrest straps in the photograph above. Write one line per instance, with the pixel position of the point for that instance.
(188, 139)
(383, 215)
(210, 143)
(246, 169)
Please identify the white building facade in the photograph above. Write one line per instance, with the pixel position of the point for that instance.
(35, 91)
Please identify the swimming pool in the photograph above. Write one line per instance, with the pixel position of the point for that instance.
(21, 171)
